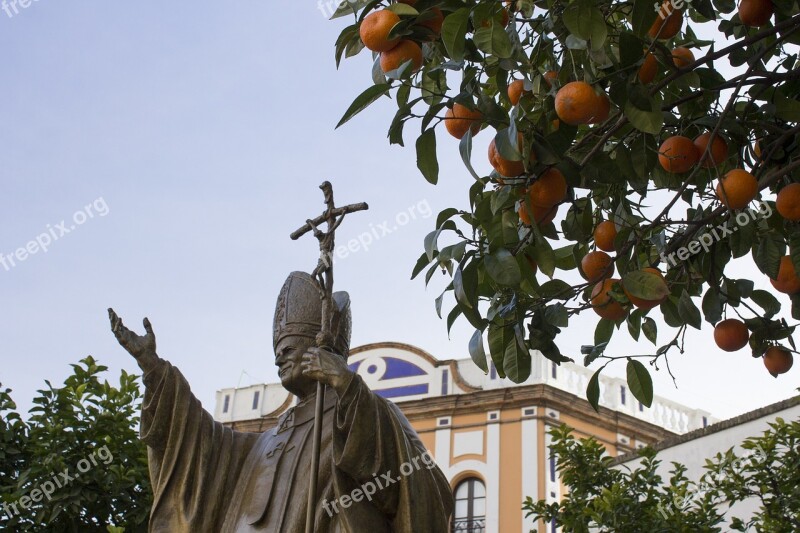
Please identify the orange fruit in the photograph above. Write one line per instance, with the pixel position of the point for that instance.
(602, 302)
(506, 167)
(788, 203)
(434, 21)
(755, 13)
(641, 303)
(718, 153)
(677, 154)
(515, 90)
(602, 109)
(550, 189)
(460, 118)
(737, 189)
(550, 76)
(787, 282)
(401, 53)
(777, 360)
(542, 215)
(668, 22)
(604, 235)
(597, 266)
(576, 103)
(731, 335)
(682, 57)
(649, 69)
(375, 28)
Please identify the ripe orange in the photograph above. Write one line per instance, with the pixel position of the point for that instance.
(550, 76)
(401, 53)
(677, 154)
(603, 108)
(460, 118)
(550, 189)
(604, 235)
(788, 203)
(755, 13)
(787, 282)
(576, 103)
(375, 28)
(597, 266)
(515, 90)
(718, 152)
(731, 335)
(666, 28)
(682, 57)
(434, 21)
(641, 303)
(542, 215)
(737, 189)
(506, 167)
(602, 302)
(649, 69)
(777, 360)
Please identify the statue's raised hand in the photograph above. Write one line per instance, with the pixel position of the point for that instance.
(143, 348)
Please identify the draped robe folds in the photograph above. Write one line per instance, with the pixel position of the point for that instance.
(208, 478)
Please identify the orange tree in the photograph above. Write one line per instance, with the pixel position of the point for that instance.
(628, 170)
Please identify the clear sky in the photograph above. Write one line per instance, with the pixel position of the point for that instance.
(197, 133)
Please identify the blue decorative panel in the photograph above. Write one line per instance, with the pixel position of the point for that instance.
(396, 392)
(397, 368)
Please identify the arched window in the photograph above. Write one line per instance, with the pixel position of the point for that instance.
(470, 512)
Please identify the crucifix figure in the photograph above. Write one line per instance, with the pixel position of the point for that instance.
(364, 464)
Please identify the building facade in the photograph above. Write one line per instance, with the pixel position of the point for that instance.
(488, 435)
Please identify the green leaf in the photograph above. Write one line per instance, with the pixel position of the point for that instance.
(767, 302)
(426, 155)
(645, 285)
(503, 267)
(689, 312)
(402, 9)
(545, 257)
(640, 382)
(363, 101)
(465, 285)
(465, 149)
(646, 121)
(642, 16)
(493, 40)
(712, 306)
(508, 354)
(556, 289)
(650, 330)
(454, 32)
(422, 262)
(477, 352)
(593, 391)
(348, 7)
(767, 253)
(586, 22)
(603, 331)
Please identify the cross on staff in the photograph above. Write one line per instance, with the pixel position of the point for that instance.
(323, 274)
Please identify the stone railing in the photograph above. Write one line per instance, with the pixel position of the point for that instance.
(615, 395)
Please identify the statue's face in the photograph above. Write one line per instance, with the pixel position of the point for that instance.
(288, 356)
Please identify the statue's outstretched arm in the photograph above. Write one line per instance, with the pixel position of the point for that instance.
(142, 348)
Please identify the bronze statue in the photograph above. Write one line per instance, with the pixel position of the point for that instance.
(374, 473)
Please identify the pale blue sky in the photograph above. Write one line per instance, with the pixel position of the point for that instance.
(206, 129)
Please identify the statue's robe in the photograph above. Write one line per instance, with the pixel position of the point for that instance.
(208, 478)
